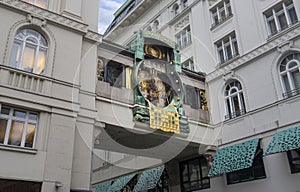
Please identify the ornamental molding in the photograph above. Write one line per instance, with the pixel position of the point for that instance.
(276, 43)
(42, 14)
(94, 36)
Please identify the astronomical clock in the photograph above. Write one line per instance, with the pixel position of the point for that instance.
(158, 90)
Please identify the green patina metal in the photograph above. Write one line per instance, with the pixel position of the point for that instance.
(157, 36)
(103, 187)
(141, 110)
(148, 179)
(234, 158)
(120, 183)
(138, 45)
(284, 141)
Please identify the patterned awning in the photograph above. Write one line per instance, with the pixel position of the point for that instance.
(148, 179)
(116, 186)
(120, 183)
(234, 158)
(103, 187)
(284, 141)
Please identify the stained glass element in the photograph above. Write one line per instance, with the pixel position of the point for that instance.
(284, 141)
(234, 158)
(148, 179)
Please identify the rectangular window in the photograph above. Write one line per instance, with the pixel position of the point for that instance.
(192, 97)
(294, 160)
(221, 12)
(17, 127)
(193, 174)
(280, 17)
(17, 186)
(227, 48)
(256, 171)
(184, 38)
(188, 64)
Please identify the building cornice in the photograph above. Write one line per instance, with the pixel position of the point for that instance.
(272, 43)
(45, 15)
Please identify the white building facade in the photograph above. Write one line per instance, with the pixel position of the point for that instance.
(249, 52)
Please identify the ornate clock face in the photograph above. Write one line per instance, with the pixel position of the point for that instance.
(157, 85)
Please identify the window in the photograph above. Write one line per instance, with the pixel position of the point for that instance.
(17, 127)
(193, 174)
(234, 100)
(280, 17)
(221, 12)
(294, 160)
(29, 51)
(185, 4)
(290, 76)
(17, 186)
(188, 64)
(176, 10)
(184, 38)
(39, 3)
(227, 48)
(192, 97)
(114, 73)
(256, 171)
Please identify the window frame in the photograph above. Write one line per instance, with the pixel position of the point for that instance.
(258, 165)
(184, 37)
(287, 78)
(222, 45)
(231, 92)
(216, 13)
(186, 162)
(293, 167)
(273, 15)
(26, 121)
(29, 38)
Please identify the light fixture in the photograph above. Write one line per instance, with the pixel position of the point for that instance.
(58, 184)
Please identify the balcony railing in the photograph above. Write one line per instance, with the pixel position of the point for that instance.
(235, 114)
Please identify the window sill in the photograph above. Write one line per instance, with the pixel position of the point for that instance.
(213, 27)
(18, 149)
(228, 61)
(284, 31)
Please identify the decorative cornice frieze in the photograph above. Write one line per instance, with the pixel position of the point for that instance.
(91, 35)
(275, 43)
(44, 14)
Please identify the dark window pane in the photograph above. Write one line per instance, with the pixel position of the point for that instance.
(294, 159)
(293, 15)
(3, 125)
(5, 111)
(272, 27)
(33, 116)
(20, 114)
(282, 21)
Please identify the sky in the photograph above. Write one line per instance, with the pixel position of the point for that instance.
(106, 10)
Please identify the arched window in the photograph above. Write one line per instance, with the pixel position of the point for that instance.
(289, 73)
(176, 10)
(234, 100)
(155, 26)
(29, 51)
